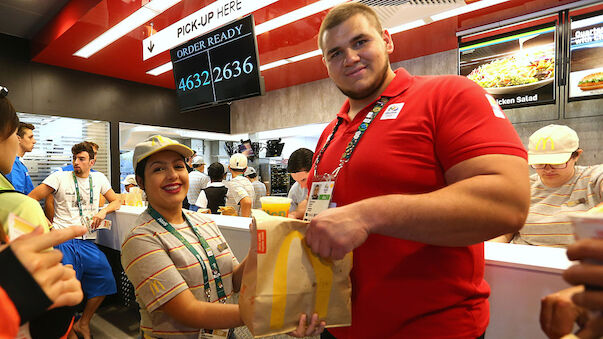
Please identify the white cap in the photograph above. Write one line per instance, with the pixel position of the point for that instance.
(552, 144)
(130, 180)
(249, 171)
(198, 161)
(238, 161)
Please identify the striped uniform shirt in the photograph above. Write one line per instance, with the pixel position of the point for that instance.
(238, 188)
(548, 223)
(160, 267)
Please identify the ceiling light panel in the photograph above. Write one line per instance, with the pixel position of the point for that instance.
(296, 15)
(134, 20)
(465, 9)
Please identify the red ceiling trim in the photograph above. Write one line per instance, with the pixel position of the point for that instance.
(67, 17)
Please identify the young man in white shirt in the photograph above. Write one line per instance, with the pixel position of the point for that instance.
(76, 202)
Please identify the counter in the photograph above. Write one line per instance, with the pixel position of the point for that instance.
(519, 275)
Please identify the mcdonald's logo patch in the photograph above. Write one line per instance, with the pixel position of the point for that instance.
(156, 286)
(541, 144)
(261, 241)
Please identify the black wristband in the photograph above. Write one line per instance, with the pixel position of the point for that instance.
(28, 297)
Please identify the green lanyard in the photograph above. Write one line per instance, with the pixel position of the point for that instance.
(345, 157)
(79, 198)
(208, 252)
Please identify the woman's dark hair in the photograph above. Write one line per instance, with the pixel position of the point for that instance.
(9, 121)
(139, 171)
(216, 171)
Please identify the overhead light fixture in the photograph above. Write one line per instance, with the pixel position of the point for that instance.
(134, 20)
(465, 9)
(296, 15)
(274, 64)
(406, 26)
(161, 69)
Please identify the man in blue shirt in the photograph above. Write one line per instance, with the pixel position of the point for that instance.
(19, 176)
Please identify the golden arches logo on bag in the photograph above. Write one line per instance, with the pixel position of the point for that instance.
(323, 272)
(543, 142)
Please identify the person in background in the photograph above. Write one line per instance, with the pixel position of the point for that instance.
(19, 175)
(559, 187)
(427, 168)
(559, 311)
(129, 182)
(240, 191)
(183, 268)
(258, 187)
(198, 181)
(76, 196)
(298, 166)
(49, 201)
(214, 195)
(33, 279)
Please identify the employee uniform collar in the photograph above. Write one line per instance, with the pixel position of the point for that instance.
(399, 84)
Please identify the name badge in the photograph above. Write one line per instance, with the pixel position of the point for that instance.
(319, 200)
(392, 111)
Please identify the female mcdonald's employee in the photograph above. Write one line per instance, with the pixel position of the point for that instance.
(180, 264)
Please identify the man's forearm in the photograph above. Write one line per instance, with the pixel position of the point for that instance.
(464, 213)
(112, 207)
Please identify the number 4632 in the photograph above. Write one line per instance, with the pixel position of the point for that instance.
(230, 70)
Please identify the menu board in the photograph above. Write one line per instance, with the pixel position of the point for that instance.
(517, 68)
(586, 57)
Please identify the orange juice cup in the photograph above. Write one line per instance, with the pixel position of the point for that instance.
(278, 206)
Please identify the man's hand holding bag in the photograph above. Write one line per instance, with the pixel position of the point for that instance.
(284, 279)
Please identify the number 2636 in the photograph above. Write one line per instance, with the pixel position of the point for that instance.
(230, 70)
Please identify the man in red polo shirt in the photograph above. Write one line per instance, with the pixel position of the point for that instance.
(426, 169)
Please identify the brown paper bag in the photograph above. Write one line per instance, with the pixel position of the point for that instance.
(283, 279)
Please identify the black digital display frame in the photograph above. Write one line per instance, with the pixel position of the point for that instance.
(218, 67)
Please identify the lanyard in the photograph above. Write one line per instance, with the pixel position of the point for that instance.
(208, 252)
(347, 154)
(79, 198)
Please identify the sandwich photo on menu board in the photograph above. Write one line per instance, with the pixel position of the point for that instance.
(517, 68)
(586, 57)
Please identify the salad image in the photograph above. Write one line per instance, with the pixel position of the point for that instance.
(516, 73)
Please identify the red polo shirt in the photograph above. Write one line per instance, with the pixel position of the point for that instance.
(401, 288)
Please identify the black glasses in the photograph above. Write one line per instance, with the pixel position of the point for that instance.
(3, 92)
(553, 166)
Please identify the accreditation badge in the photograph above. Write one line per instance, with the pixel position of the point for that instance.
(320, 197)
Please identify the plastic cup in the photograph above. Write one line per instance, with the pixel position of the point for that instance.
(277, 206)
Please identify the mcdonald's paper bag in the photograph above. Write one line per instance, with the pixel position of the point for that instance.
(283, 279)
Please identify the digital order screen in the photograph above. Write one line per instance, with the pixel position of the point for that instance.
(219, 66)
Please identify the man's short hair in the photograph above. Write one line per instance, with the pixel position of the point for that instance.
(300, 161)
(93, 144)
(216, 171)
(22, 127)
(9, 121)
(83, 147)
(345, 11)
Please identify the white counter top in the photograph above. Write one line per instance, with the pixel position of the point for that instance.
(547, 259)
